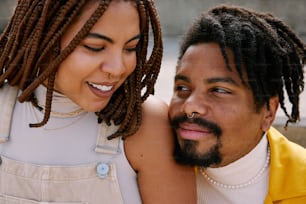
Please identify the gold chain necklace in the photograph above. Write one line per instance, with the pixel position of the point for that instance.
(64, 115)
(70, 114)
(81, 113)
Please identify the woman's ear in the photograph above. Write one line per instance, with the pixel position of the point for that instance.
(269, 113)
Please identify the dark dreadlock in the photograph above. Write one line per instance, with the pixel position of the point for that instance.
(30, 54)
(272, 54)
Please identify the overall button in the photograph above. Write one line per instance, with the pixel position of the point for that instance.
(102, 170)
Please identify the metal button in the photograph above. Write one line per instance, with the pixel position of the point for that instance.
(102, 170)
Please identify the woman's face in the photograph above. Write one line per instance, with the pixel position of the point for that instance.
(103, 60)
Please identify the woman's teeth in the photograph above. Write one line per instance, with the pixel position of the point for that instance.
(101, 87)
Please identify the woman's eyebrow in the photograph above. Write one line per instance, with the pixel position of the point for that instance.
(100, 36)
(134, 38)
(103, 37)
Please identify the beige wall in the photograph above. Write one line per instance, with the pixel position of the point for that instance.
(176, 15)
(6, 9)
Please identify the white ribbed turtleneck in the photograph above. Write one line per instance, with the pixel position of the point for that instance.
(238, 172)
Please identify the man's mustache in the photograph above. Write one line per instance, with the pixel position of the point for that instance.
(211, 126)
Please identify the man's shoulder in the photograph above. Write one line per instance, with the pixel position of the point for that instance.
(281, 142)
(288, 163)
(285, 152)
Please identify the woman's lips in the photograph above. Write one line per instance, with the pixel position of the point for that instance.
(101, 90)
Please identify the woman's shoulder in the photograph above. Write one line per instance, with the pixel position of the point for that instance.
(154, 107)
(155, 120)
(154, 132)
(150, 152)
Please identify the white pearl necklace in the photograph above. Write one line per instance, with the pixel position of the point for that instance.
(242, 185)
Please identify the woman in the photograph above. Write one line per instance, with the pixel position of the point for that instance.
(78, 124)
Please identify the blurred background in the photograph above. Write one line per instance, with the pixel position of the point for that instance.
(177, 15)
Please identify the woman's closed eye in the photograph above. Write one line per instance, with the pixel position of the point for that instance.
(131, 49)
(94, 48)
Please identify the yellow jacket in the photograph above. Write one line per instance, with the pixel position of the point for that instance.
(287, 184)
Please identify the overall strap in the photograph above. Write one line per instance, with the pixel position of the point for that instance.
(103, 144)
(8, 95)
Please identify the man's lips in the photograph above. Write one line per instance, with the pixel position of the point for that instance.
(192, 131)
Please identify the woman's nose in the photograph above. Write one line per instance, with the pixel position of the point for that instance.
(113, 65)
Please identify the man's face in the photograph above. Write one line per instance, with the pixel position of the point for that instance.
(226, 126)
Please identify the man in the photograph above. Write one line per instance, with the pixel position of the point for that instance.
(235, 67)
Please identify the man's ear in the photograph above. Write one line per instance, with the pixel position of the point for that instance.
(269, 114)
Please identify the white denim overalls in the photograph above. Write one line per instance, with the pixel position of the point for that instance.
(26, 183)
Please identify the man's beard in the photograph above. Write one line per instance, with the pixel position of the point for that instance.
(187, 153)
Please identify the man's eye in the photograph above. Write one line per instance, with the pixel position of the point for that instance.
(221, 90)
(95, 49)
(182, 91)
(181, 88)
